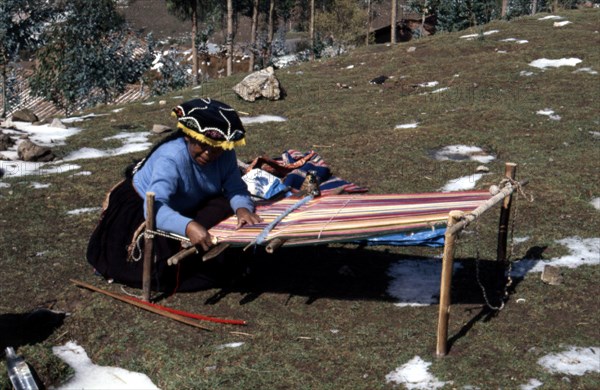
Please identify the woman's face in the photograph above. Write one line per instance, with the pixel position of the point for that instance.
(203, 153)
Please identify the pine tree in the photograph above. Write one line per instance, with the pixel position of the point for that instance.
(90, 56)
(21, 24)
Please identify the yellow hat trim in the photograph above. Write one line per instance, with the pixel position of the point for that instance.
(227, 145)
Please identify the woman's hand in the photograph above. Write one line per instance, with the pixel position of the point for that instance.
(198, 235)
(246, 217)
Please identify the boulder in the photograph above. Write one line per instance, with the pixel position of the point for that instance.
(5, 141)
(24, 115)
(262, 83)
(57, 123)
(159, 129)
(29, 151)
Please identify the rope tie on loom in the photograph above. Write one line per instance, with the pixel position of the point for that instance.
(520, 192)
(142, 233)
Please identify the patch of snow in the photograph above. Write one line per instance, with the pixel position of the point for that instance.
(132, 142)
(440, 90)
(526, 73)
(286, 60)
(561, 24)
(262, 119)
(549, 113)
(595, 203)
(37, 185)
(45, 135)
(551, 17)
(407, 126)
(81, 118)
(416, 282)
(519, 41)
(586, 70)
(543, 63)
(148, 103)
(583, 251)
(415, 375)
(230, 345)
(91, 376)
(471, 36)
(573, 361)
(83, 210)
(82, 173)
(4, 185)
(117, 110)
(520, 240)
(429, 84)
(350, 67)
(463, 153)
(531, 385)
(27, 168)
(462, 183)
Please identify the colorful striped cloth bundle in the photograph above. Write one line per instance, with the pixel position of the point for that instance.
(293, 166)
(345, 218)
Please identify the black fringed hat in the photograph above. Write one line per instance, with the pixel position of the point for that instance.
(212, 122)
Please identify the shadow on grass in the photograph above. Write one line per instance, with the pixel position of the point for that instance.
(350, 274)
(30, 328)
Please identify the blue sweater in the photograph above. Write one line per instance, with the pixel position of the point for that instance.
(181, 184)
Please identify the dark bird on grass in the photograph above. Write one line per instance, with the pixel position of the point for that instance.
(379, 80)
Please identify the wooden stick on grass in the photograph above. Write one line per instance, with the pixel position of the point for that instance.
(141, 305)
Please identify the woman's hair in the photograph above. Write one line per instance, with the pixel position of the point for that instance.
(136, 165)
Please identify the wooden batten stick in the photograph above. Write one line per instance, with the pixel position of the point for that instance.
(274, 244)
(148, 247)
(510, 173)
(215, 251)
(182, 254)
(141, 305)
(446, 282)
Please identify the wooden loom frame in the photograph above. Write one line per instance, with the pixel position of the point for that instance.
(457, 221)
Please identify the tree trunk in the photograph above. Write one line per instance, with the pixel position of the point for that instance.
(368, 22)
(504, 8)
(555, 6)
(229, 42)
(253, 35)
(533, 7)
(4, 94)
(393, 21)
(270, 29)
(311, 30)
(194, 44)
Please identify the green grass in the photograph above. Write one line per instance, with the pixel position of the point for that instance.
(293, 300)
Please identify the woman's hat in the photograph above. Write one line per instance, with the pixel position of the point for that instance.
(212, 122)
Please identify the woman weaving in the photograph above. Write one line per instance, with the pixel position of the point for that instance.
(197, 184)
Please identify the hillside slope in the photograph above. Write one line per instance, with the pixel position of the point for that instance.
(329, 317)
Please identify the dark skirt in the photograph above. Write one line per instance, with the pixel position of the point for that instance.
(112, 244)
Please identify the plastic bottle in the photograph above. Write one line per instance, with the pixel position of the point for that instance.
(19, 372)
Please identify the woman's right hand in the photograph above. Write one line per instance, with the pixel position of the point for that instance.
(198, 235)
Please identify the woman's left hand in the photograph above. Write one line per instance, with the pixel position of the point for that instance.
(246, 217)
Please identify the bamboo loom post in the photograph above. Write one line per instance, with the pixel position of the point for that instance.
(274, 244)
(446, 281)
(510, 173)
(148, 247)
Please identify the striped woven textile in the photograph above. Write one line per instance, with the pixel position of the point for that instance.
(344, 218)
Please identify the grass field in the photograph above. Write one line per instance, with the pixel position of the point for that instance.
(311, 326)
